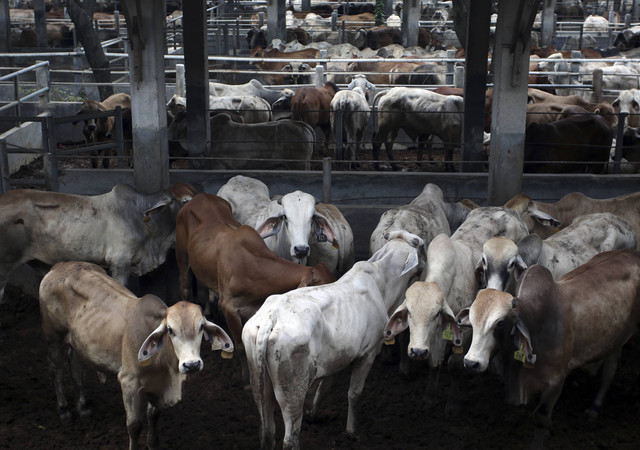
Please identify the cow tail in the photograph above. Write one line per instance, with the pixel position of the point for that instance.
(262, 372)
(374, 109)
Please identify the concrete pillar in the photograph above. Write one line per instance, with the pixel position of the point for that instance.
(276, 24)
(5, 27)
(410, 22)
(306, 5)
(511, 62)
(40, 17)
(475, 84)
(548, 22)
(196, 78)
(148, 99)
(388, 8)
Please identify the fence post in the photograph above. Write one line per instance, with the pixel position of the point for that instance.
(326, 179)
(451, 54)
(612, 18)
(180, 84)
(119, 136)
(334, 20)
(43, 80)
(116, 18)
(341, 33)
(622, 119)
(634, 10)
(596, 95)
(458, 77)
(320, 76)
(4, 167)
(575, 66)
(338, 134)
(50, 161)
(260, 19)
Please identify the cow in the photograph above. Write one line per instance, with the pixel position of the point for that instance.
(551, 327)
(233, 261)
(282, 144)
(602, 108)
(99, 130)
(354, 113)
(544, 219)
(295, 226)
(430, 308)
(578, 143)
(550, 112)
(503, 261)
(251, 108)
(275, 66)
(88, 316)
(297, 340)
(360, 80)
(628, 101)
(312, 106)
(420, 113)
(488, 101)
(627, 39)
(123, 230)
(257, 37)
(252, 87)
(379, 72)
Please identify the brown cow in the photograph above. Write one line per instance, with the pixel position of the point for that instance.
(603, 108)
(87, 315)
(544, 219)
(99, 130)
(234, 262)
(552, 327)
(550, 112)
(259, 52)
(312, 105)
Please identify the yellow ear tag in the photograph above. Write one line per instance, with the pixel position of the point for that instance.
(226, 355)
(146, 362)
(390, 342)
(518, 355)
(447, 334)
(335, 246)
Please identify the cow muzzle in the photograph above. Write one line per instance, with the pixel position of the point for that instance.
(301, 251)
(473, 366)
(191, 366)
(418, 353)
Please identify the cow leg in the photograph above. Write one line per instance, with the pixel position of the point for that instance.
(609, 368)
(388, 146)
(182, 260)
(77, 374)
(290, 390)
(57, 362)
(542, 414)
(359, 372)
(234, 323)
(133, 407)
(321, 390)
(448, 155)
(153, 414)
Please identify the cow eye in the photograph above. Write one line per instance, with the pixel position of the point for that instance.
(202, 327)
(500, 325)
(170, 330)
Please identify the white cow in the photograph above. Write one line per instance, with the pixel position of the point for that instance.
(430, 308)
(503, 261)
(628, 101)
(298, 339)
(354, 110)
(252, 87)
(421, 114)
(252, 108)
(88, 316)
(427, 216)
(595, 24)
(288, 222)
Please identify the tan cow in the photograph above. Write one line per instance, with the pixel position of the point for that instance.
(552, 327)
(234, 262)
(544, 219)
(150, 347)
(99, 130)
(259, 52)
(603, 108)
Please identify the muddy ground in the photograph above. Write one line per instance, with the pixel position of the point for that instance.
(217, 413)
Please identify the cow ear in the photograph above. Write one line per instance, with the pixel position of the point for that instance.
(322, 228)
(615, 103)
(480, 272)
(397, 323)
(156, 208)
(522, 340)
(517, 266)
(412, 261)
(462, 318)
(153, 343)
(545, 219)
(270, 227)
(217, 337)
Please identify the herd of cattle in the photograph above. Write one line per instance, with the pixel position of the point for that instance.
(528, 290)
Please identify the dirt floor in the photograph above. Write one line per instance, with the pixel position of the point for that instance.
(217, 413)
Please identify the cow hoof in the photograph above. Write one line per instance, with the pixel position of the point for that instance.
(65, 415)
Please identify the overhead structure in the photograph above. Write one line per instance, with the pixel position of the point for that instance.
(410, 22)
(511, 67)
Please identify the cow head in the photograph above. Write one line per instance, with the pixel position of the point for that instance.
(500, 259)
(492, 316)
(183, 327)
(173, 198)
(430, 321)
(284, 102)
(300, 73)
(360, 80)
